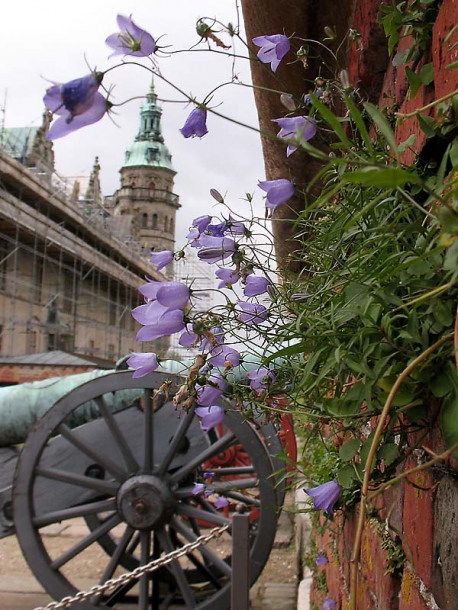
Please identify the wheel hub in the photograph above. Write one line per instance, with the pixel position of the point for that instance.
(145, 502)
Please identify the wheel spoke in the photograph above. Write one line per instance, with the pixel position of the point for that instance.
(177, 570)
(116, 557)
(79, 547)
(221, 445)
(145, 542)
(75, 511)
(206, 552)
(88, 450)
(242, 498)
(234, 484)
(105, 487)
(203, 515)
(126, 452)
(176, 442)
(148, 439)
(232, 471)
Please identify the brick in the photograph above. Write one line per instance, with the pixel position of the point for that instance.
(418, 522)
(445, 80)
(414, 595)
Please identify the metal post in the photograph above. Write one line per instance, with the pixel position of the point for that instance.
(240, 590)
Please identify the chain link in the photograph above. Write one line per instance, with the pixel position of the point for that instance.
(66, 602)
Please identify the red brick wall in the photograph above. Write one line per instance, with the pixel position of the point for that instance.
(423, 511)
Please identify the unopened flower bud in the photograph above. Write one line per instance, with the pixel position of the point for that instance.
(287, 100)
(330, 34)
(217, 195)
(344, 79)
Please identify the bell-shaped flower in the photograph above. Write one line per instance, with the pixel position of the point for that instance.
(261, 379)
(221, 502)
(189, 338)
(198, 488)
(252, 313)
(211, 391)
(143, 363)
(325, 496)
(201, 222)
(215, 249)
(217, 230)
(223, 355)
(212, 338)
(295, 129)
(321, 560)
(278, 192)
(273, 49)
(210, 416)
(161, 259)
(169, 323)
(255, 285)
(150, 313)
(195, 124)
(130, 40)
(234, 227)
(227, 277)
(77, 103)
(168, 294)
(328, 604)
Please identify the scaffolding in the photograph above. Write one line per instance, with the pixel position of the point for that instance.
(69, 273)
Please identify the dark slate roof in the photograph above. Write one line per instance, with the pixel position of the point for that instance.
(55, 358)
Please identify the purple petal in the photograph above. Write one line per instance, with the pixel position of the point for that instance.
(195, 124)
(328, 604)
(161, 259)
(278, 191)
(255, 286)
(198, 488)
(224, 354)
(150, 313)
(189, 338)
(260, 379)
(221, 502)
(66, 124)
(173, 294)
(325, 495)
(171, 322)
(201, 222)
(227, 277)
(210, 416)
(253, 313)
(143, 363)
(321, 560)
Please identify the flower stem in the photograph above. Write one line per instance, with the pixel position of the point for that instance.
(444, 98)
(370, 459)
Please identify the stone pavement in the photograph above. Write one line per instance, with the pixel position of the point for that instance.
(24, 593)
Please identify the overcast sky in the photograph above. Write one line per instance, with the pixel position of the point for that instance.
(53, 40)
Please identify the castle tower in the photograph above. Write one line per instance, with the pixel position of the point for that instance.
(146, 193)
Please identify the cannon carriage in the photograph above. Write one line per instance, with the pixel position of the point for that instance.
(114, 452)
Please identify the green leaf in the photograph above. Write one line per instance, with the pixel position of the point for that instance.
(451, 258)
(381, 177)
(383, 125)
(349, 449)
(388, 452)
(427, 124)
(449, 420)
(407, 143)
(414, 82)
(346, 477)
(401, 57)
(359, 122)
(454, 153)
(427, 74)
(331, 120)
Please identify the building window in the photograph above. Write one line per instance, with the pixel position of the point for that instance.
(52, 342)
(166, 224)
(152, 186)
(1, 338)
(144, 221)
(154, 221)
(111, 351)
(171, 226)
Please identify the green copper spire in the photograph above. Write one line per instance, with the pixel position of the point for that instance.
(148, 147)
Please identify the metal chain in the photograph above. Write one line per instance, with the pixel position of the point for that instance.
(66, 602)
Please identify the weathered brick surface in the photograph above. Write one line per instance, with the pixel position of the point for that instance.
(423, 510)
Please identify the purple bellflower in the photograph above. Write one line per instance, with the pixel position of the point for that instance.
(223, 355)
(278, 192)
(201, 222)
(161, 259)
(234, 227)
(252, 313)
(261, 379)
(130, 40)
(211, 391)
(77, 103)
(321, 560)
(325, 495)
(143, 363)
(168, 294)
(215, 249)
(221, 502)
(217, 230)
(150, 313)
(210, 416)
(195, 124)
(198, 488)
(273, 49)
(296, 129)
(255, 286)
(329, 604)
(189, 338)
(169, 323)
(227, 277)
